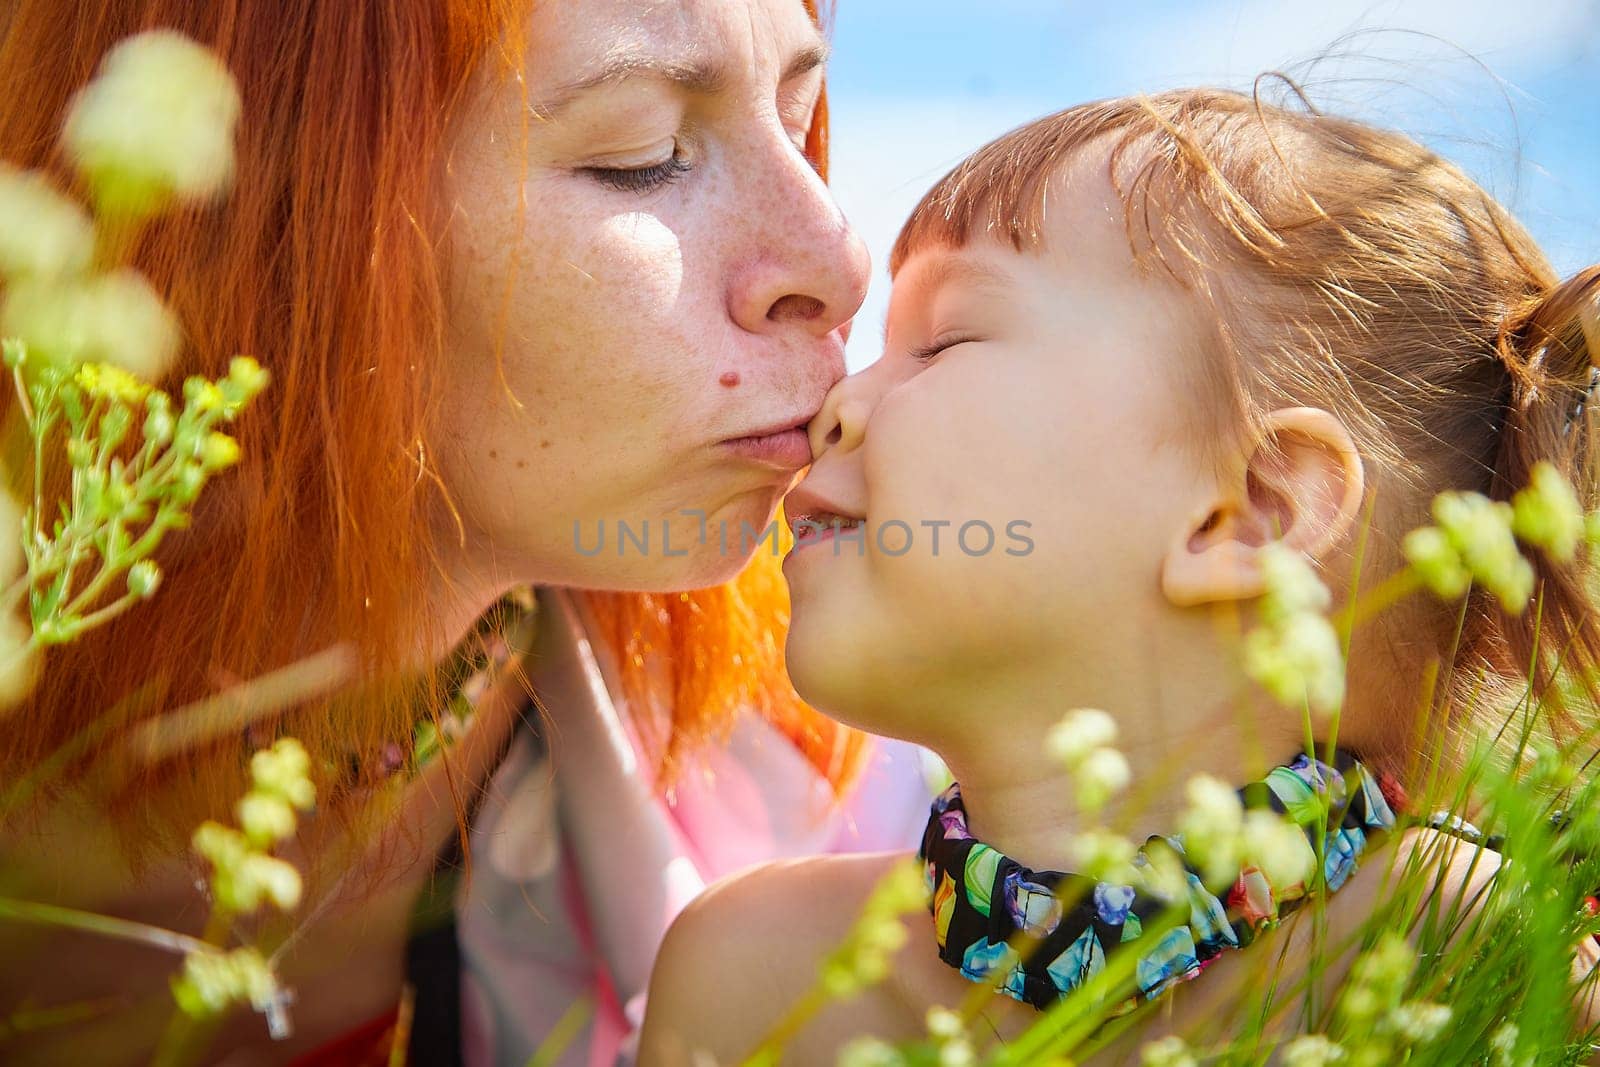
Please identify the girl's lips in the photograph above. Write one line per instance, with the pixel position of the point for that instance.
(787, 450)
(808, 533)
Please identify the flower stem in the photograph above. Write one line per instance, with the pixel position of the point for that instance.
(104, 925)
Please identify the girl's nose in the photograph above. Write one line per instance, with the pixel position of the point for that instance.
(842, 422)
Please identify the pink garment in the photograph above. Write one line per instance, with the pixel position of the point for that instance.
(545, 924)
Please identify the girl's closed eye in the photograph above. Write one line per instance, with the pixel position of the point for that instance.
(942, 344)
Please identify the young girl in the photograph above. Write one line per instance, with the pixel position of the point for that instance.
(1135, 352)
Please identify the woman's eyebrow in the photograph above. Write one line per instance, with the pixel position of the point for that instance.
(699, 77)
(805, 61)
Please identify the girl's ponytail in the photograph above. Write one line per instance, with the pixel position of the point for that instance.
(1550, 347)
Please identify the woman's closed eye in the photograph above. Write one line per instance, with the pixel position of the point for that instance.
(797, 110)
(641, 179)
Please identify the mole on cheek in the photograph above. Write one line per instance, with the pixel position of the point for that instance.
(730, 378)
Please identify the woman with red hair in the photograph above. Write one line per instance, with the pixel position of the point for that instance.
(548, 293)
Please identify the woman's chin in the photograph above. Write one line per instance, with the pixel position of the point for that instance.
(700, 568)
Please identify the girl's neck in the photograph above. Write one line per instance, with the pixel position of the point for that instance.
(1023, 802)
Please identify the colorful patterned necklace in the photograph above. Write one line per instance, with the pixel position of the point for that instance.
(1039, 935)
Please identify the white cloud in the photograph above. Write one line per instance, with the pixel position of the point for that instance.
(1236, 40)
(890, 146)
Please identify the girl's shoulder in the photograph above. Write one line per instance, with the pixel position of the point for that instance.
(747, 949)
(752, 945)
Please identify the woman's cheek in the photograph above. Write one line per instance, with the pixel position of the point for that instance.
(634, 293)
(636, 257)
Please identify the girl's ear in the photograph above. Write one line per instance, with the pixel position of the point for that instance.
(1301, 487)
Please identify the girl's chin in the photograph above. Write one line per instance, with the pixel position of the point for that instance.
(826, 668)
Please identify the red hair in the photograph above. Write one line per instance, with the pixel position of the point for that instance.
(323, 264)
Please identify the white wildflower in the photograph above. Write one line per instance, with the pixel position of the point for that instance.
(157, 122)
(144, 578)
(1436, 562)
(1419, 1021)
(243, 878)
(1298, 661)
(1480, 530)
(1100, 854)
(213, 981)
(19, 660)
(1103, 774)
(284, 770)
(944, 1024)
(870, 1052)
(1377, 979)
(1547, 514)
(1211, 828)
(1161, 874)
(1503, 1043)
(266, 818)
(114, 318)
(863, 958)
(43, 233)
(1079, 733)
(1387, 966)
(1278, 847)
(1292, 585)
(267, 878)
(1312, 1050)
(1169, 1051)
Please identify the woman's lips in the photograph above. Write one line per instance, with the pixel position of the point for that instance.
(787, 449)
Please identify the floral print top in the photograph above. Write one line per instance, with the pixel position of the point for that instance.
(1039, 935)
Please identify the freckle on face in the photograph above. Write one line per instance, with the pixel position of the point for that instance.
(730, 378)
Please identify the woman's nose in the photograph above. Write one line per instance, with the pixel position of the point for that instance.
(842, 421)
(805, 268)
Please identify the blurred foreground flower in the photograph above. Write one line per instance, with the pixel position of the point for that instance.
(113, 318)
(119, 508)
(44, 234)
(1082, 742)
(1210, 828)
(863, 958)
(1221, 838)
(1079, 733)
(1473, 541)
(1169, 1051)
(1294, 653)
(1103, 855)
(1312, 1050)
(244, 875)
(157, 123)
(214, 981)
(85, 339)
(1547, 514)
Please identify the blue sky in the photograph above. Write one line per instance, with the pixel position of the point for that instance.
(1509, 90)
